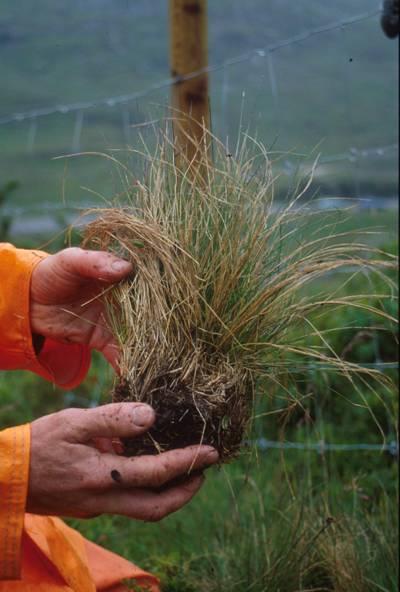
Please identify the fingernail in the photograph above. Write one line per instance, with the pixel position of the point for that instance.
(120, 265)
(143, 415)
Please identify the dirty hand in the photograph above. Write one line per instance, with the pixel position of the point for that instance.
(66, 303)
(70, 477)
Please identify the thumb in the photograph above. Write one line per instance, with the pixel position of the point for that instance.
(116, 420)
(97, 265)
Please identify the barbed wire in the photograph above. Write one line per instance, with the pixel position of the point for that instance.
(79, 208)
(113, 101)
(321, 447)
(369, 365)
(356, 153)
(350, 155)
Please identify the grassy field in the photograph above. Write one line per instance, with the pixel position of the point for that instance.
(275, 520)
(278, 520)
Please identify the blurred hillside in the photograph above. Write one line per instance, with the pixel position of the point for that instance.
(336, 89)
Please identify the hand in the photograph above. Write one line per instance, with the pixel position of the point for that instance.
(70, 477)
(66, 302)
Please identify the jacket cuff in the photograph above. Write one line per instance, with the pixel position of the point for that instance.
(14, 474)
(64, 364)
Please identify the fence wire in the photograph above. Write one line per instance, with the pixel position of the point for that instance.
(321, 447)
(116, 100)
(288, 168)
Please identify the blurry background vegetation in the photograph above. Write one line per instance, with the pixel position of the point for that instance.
(276, 520)
(336, 90)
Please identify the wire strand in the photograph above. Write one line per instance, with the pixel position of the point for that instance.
(263, 444)
(167, 82)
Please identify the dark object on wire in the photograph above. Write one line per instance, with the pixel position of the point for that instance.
(390, 18)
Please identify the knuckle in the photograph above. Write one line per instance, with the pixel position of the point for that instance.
(91, 471)
(66, 254)
(108, 417)
(163, 472)
(86, 481)
(69, 419)
(182, 458)
(103, 420)
(166, 467)
(156, 475)
(73, 250)
(113, 411)
(117, 408)
(91, 474)
(70, 414)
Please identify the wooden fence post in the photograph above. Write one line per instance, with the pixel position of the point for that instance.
(189, 54)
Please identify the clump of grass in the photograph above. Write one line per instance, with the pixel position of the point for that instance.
(300, 549)
(217, 290)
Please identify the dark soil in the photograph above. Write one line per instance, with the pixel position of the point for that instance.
(182, 420)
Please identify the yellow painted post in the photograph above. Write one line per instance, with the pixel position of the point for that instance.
(188, 54)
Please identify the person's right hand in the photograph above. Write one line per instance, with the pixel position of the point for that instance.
(70, 477)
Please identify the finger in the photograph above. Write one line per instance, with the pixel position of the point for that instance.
(147, 505)
(111, 353)
(117, 446)
(103, 445)
(103, 340)
(116, 420)
(97, 265)
(153, 471)
(110, 445)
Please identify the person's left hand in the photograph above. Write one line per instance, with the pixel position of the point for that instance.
(66, 303)
(69, 477)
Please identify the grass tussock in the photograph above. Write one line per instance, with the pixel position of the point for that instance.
(299, 553)
(217, 296)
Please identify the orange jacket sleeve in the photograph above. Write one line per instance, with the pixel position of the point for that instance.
(16, 346)
(14, 469)
(17, 351)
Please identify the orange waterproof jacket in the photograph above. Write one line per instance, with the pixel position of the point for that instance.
(41, 553)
